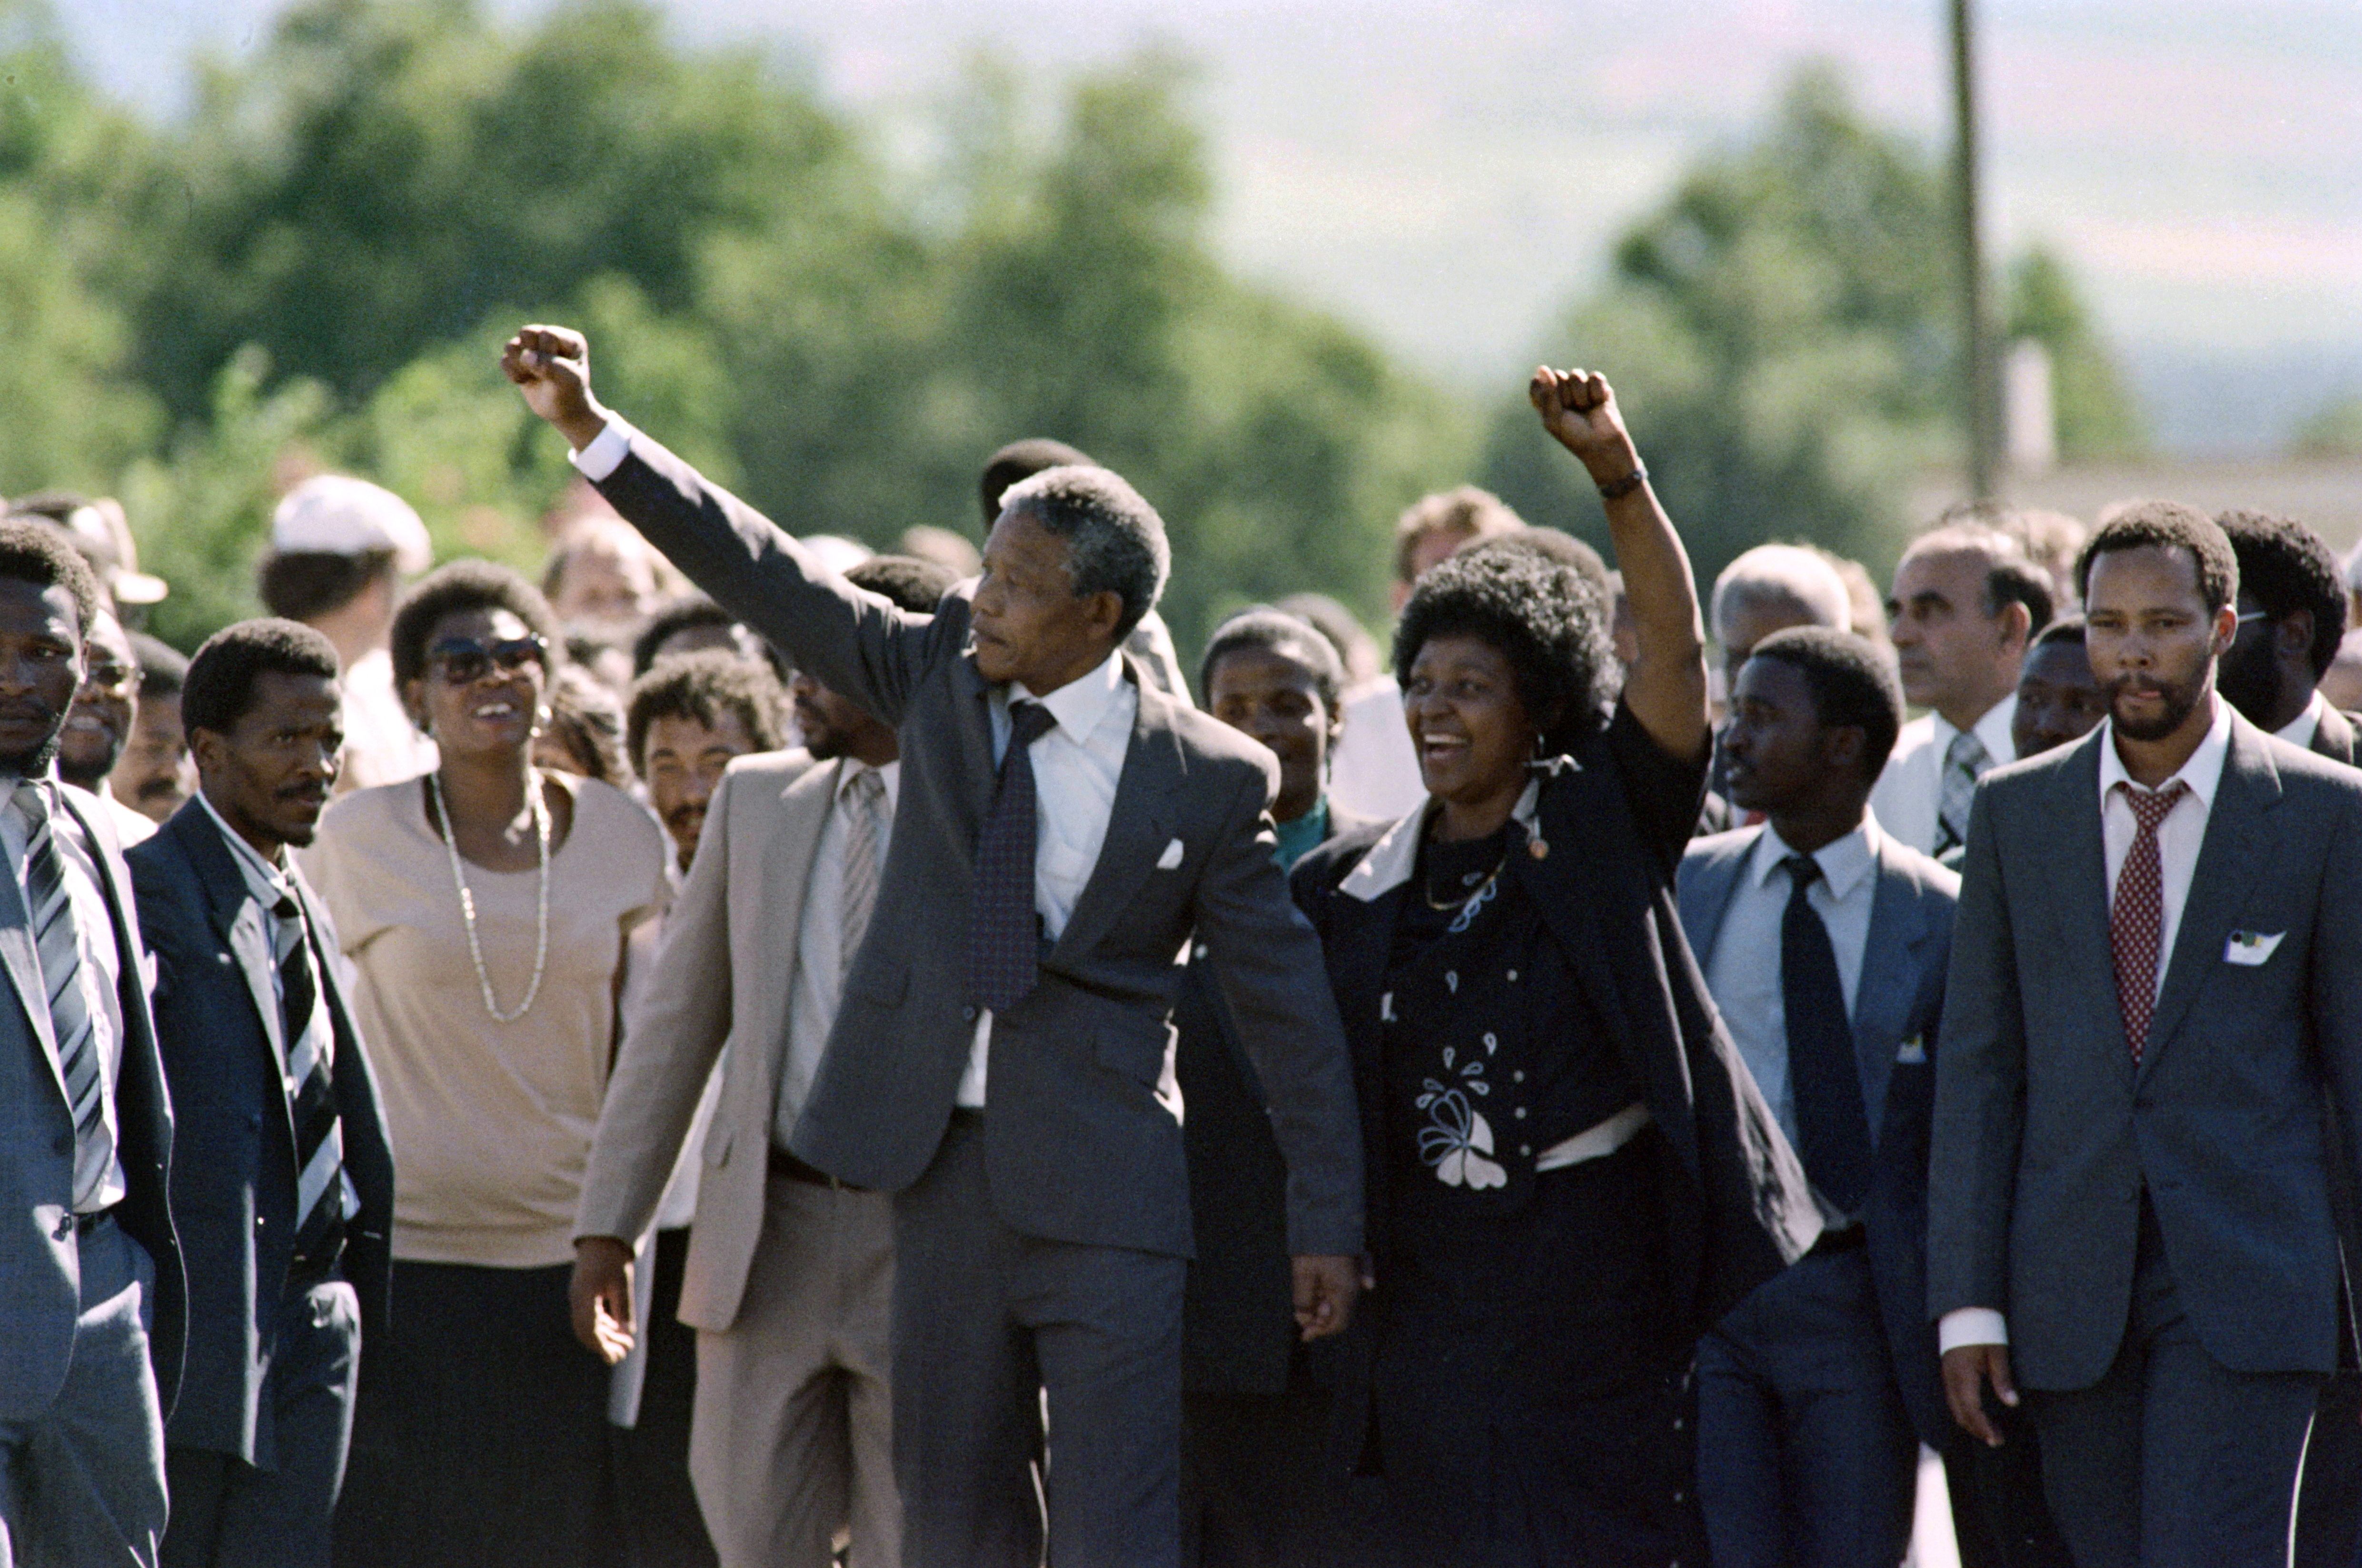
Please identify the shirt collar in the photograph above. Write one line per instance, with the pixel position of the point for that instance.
(891, 776)
(2203, 772)
(269, 883)
(1081, 703)
(1844, 862)
(2300, 730)
(1388, 863)
(1992, 731)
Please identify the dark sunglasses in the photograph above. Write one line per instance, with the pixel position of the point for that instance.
(461, 661)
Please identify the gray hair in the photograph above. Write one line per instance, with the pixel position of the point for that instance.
(1789, 576)
(1115, 540)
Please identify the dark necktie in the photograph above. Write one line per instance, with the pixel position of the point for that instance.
(312, 1100)
(1831, 1125)
(2136, 918)
(1004, 933)
(51, 907)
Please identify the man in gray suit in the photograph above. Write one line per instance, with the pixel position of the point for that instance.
(2130, 1205)
(90, 1278)
(1002, 1056)
(1825, 943)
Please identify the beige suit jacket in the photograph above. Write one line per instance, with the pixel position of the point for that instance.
(721, 977)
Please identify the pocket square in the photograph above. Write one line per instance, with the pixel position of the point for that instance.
(1171, 859)
(1914, 1052)
(2251, 947)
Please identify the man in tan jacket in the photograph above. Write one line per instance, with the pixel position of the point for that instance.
(789, 1275)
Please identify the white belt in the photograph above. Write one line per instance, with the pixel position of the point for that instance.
(1596, 1142)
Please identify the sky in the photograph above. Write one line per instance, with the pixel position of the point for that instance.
(1447, 174)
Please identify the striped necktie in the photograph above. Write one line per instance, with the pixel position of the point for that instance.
(865, 801)
(52, 910)
(1965, 761)
(311, 1095)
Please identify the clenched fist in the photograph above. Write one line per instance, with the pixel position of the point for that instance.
(551, 366)
(1579, 408)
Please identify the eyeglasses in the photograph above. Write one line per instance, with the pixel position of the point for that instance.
(109, 680)
(462, 661)
(2255, 615)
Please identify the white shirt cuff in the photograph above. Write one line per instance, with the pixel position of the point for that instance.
(606, 454)
(1971, 1326)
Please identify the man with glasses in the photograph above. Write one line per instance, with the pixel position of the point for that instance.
(99, 725)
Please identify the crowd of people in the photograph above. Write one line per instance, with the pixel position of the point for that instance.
(751, 1052)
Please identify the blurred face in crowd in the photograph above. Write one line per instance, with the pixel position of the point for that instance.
(99, 723)
(1746, 621)
(271, 775)
(156, 772)
(1030, 627)
(683, 766)
(2267, 673)
(1471, 729)
(732, 639)
(835, 726)
(608, 587)
(486, 679)
(2058, 699)
(40, 670)
(1953, 655)
(1431, 550)
(1778, 757)
(1276, 699)
(2151, 640)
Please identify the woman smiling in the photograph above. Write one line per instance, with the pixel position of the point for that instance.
(485, 907)
(1570, 1174)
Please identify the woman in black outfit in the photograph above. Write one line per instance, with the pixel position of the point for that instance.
(1570, 1174)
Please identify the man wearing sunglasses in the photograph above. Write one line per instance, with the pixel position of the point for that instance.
(1001, 1060)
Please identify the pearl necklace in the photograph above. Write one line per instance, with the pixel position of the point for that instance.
(467, 901)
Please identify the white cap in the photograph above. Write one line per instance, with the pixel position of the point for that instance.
(338, 516)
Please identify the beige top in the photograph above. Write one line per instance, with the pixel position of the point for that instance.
(491, 1123)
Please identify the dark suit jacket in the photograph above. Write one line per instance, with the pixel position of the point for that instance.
(40, 1277)
(1081, 1139)
(2046, 1134)
(1898, 1004)
(234, 1183)
(1737, 1204)
(1239, 1332)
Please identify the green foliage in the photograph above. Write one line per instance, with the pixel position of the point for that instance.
(2096, 416)
(2334, 430)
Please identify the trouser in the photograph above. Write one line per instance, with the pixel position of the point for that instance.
(793, 1434)
(2329, 1500)
(1257, 1488)
(990, 1327)
(84, 1481)
(1805, 1452)
(229, 1514)
(480, 1432)
(657, 1511)
(2173, 1460)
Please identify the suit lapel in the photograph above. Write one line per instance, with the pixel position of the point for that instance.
(1705, 887)
(790, 832)
(1892, 963)
(2228, 857)
(2080, 859)
(1139, 822)
(21, 956)
(236, 915)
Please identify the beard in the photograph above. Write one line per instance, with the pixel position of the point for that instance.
(2180, 701)
(34, 764)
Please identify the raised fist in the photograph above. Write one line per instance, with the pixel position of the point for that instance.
(1578, 407)
(551, 366)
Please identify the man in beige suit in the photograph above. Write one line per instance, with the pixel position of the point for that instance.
(789, 1275)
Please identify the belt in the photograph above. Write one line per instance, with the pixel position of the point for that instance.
(784, 1163)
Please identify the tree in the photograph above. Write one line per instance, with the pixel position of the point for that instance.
(2096, 416)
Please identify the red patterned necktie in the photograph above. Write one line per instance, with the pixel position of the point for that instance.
(2136, 922)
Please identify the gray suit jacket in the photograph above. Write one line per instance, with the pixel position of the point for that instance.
(1083, 1137)
(41, 1270)
(2046, 1134)
(1898, 1005)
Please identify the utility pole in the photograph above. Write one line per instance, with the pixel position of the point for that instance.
(1976, 333)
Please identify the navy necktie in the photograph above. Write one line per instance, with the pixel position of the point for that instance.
(1004, 933)
(1831, 1126)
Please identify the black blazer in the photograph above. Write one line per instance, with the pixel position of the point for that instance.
(1239, 1331)
(234, 1183)
(1615, 817)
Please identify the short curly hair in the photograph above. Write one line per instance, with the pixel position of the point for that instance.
(454, 589)
(1852, 687)
(705, 687)
(2169, 525)
(218, 689)
(1115, 541)
(1259, 626)
(1546, 617)
(2284, 567)
(38, 554)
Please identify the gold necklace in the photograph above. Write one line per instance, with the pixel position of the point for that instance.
(1477, 891)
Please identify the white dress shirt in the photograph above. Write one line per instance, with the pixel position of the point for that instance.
(818, 986)
(1743, 970)
(2179, 838)
(2299, 731)
(1076, 764)
(1912, 787)
(101, 969)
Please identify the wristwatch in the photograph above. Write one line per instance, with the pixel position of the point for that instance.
(1615, 490)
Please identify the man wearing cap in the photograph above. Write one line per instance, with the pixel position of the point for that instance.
(340, 549)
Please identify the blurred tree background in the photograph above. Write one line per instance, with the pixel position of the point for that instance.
(313, 268)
